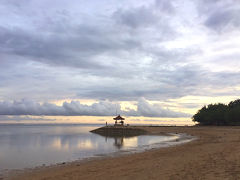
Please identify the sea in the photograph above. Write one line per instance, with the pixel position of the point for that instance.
(32, 145)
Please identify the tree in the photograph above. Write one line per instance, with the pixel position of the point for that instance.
(219, 114)
(233, 113)
(234, 104)
(213, 114)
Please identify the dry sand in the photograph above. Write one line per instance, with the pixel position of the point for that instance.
(215, 155)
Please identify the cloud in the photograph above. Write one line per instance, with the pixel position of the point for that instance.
(220, 15)
(75, 50)
(80, 56)
(25, 118)
(152, 19)
(116, 50)
(155, 110)
(222, 19)
(75, 108)
(134, 18)
(77, 43)
(153, 83)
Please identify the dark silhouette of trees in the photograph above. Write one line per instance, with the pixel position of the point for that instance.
(219, 114)
(233, 113)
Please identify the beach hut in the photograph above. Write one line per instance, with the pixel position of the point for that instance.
(119, 120)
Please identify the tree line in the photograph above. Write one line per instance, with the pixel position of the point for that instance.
(219, 114)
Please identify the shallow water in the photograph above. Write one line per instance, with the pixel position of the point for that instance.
(26, 146)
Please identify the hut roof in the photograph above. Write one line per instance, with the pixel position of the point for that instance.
(118, 118)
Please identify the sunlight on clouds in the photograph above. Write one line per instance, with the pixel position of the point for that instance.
(126, 105)
(83, 101)
(199, 101)
(186, 104)
(171, 106)
(183, 41)
(204, 99)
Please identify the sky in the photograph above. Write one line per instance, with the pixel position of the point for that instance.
(154, 61)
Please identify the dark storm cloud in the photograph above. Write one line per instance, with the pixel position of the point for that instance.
(75, 108)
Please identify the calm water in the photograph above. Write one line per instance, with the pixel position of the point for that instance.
(24, 146)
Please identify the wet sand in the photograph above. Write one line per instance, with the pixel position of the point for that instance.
(214, 155)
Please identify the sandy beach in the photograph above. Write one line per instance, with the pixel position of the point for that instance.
(214, 155)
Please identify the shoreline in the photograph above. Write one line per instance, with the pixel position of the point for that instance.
(172, 157)
(181, 139)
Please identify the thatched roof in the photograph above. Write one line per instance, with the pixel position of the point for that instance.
(118, 118)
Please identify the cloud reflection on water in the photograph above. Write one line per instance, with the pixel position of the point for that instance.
(33, 145)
